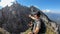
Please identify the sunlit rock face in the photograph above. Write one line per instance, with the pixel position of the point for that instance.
(15, 18)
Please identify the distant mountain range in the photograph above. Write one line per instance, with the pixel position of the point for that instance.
(53, 16)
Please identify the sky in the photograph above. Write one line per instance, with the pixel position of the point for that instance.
(52, 6)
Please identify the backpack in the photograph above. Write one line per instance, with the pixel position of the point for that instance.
(43, 27)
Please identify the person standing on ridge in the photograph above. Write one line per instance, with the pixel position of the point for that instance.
(38, 26)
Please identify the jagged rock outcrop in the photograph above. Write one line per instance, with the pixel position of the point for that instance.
(15, 18)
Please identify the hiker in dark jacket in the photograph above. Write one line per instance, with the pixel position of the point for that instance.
(38, 26)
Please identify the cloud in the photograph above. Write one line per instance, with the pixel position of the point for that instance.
(46, 10)
(4, 3)
(51, 11)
